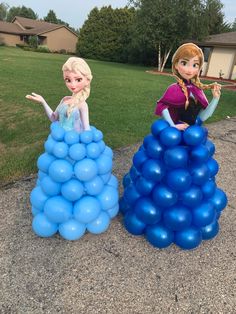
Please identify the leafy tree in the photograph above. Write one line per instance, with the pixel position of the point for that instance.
(3, 11)
(233, 27)
(21, 11)
(51, 17)
(105, 34)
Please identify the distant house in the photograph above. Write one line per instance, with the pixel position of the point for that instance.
(220, 55)
(56, 37)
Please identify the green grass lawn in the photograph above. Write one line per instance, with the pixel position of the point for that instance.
(121, 104)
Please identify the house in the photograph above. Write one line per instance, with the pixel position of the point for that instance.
(220, 55)
(56, 37)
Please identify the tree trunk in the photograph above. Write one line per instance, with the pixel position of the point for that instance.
(166, 55)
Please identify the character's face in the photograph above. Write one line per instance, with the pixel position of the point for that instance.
(75, 82)
(188, 68)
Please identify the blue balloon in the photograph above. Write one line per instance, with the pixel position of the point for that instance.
(188, 238)
(123, 206)
(102, 146)
(210, 231)
(139, 158)
(71, 137)
(104, 164)
(177, 217)
(35, 211)
(134, 225)
(54, 124)
(49, 144)
(144, 186)
(163, 196)
(60, 150)
(57, 133)
(131, 194)
(97, 135)
(44, 161)
(134, 174)
(50, 187)
(43, 227)
(200, 173)
(86, 137)
(108, 151)
(179, 179)
(153, 170)
(94, 186)
(72, 229)
(58, 209)
(199, 154)
(87, 209)
(194, 135)
(211, 147)
(204, 214)
(170, 136)
(126, 180)
(192, 196)
(147, 211)
(153, 148)
(72, 190)
(176, 157)
(105, 177)
(77, 151)
(158, 126)
(112, 212)
(213, 167)
(41, 175)
(60, 170)
(86, 169)
(38, 198)
(219, 200)
(93, 150)
(113, 181)
(208, 188)
(108, 198)
(146, 140)
(100, 224)
(159, 236)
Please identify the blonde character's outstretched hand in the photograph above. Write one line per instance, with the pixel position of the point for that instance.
(37, 98)
(216, 90)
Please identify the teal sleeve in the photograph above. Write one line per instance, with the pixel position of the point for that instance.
(166, 115)
(208, 112)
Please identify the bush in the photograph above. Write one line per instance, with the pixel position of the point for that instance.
(42, 48)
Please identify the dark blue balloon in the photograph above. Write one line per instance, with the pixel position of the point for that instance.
(144, 186)
(213, 166)
(177, 217)
(199, 154)
(219, 199)
(154, 149)
(194, 135)
(179, 179)
(134, 174)
(134, 225)
(210, 231)
(146, 140)
(204, 214)
(123, 206)
(131, 194)
(208, 188)
(188, 238)
(159, 236)
(211, 147)
(163, 196)
(153, 170)
(158, 126)
(192, 196)
(200, 173)
(126, 180)
(170, 136)
(147, 211)
(176, 157)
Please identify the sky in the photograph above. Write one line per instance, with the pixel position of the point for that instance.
(75, 12)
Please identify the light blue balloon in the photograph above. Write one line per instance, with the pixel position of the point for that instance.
(43, 227)
(72, 190)
(60, 170)
(77, 151)
(93, 150)
(44, 161)
(58, 209)
(41, 175)
(38, 198)
(106, 177)
(72, 229)
(57, 133)
(35, 211)
(50, 187)
(100, 224)
(104, 164)
(102, 146)
(97, 135)
(108, 197)
(108, 151)
(87, 209)
(112, 212)
(71, 137)
(94, 186)
(54, 124)
(49, 144)
(60, 150)
(86, 169)
(86, 137)
(113, 181)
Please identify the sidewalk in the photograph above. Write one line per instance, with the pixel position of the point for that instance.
(116, 272)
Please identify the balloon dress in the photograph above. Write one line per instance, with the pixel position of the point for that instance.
(76, 190)
(170, 193)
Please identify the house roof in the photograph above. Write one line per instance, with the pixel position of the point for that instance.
(9, 28)
(224, 39)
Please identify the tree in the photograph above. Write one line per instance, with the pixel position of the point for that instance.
(21, 11)
(3, 11)
(51, 17)
(233, 27)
